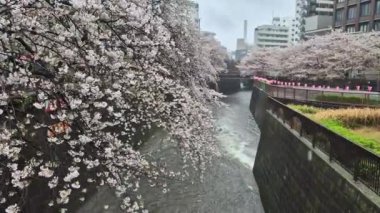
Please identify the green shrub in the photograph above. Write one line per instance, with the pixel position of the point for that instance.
(305, 109)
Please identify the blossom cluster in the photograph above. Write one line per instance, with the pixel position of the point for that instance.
(82, 81)
(332, 56)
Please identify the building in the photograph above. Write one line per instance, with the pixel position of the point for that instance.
(357, 15)
(242, 44)
(241, 49)
(314, 16)
(301, 12)
(271, 36)
(321, 7)
(292, 24)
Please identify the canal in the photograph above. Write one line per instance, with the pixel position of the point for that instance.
(228, 185)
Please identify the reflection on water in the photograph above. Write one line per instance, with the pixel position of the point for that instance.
(228, 185)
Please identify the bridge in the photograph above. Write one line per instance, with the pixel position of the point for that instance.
(231, 82)
(234, 76)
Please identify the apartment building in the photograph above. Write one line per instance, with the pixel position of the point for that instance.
(357, 15)
(271, 36)
(321, 7)
(292, 24)
(314, 16)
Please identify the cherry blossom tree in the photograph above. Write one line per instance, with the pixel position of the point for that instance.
(337, 55)
(82, 81)
(334, 56)
(214, 55)
(261, 61)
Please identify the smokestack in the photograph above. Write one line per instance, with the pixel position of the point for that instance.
(245, 30)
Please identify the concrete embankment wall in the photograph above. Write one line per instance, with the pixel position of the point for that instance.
(295, 177)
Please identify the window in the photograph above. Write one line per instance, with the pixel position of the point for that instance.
(351, 14)
(378, 7)
(364, 27)
(339, 15)
(376, 25)
(350, 29)
(364, 9)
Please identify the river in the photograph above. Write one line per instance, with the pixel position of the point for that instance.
(228, 185)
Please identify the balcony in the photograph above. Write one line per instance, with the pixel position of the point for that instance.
(317, 22)
(352, 2)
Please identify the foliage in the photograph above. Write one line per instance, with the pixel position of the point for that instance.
(261, 62)
(348, 123)
(332, 56)
(121, 67)
(352, 117)
(305, 109)
(23, 103)
(215, 52)
(339, 128)
(346, 99)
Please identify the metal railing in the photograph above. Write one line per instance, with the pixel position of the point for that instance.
(321, 95)
(363, 164)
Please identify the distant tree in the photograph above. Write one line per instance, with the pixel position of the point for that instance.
(333, 56)
(214, 54)
(261, 61)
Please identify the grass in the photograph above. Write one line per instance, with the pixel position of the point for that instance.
(361, 126)
(346, 99)
(369, 132)
(351, 117)
(305, 109)
(371, 143)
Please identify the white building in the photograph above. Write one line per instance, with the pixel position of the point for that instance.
(271, 36)
(292, 24)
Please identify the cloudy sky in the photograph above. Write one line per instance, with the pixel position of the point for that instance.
(226, 17)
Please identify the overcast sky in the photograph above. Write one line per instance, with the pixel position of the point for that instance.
(226, 17)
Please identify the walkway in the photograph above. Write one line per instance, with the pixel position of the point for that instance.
(318, 94)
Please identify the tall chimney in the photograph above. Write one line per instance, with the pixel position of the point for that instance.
(245, 30)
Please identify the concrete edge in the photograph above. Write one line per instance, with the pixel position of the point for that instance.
(367, 192)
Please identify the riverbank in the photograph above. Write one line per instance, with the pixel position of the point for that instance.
(361, 126)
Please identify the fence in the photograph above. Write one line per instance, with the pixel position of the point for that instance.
(363, 164)
(321, 95)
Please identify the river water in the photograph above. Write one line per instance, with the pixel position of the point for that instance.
(228, 185)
